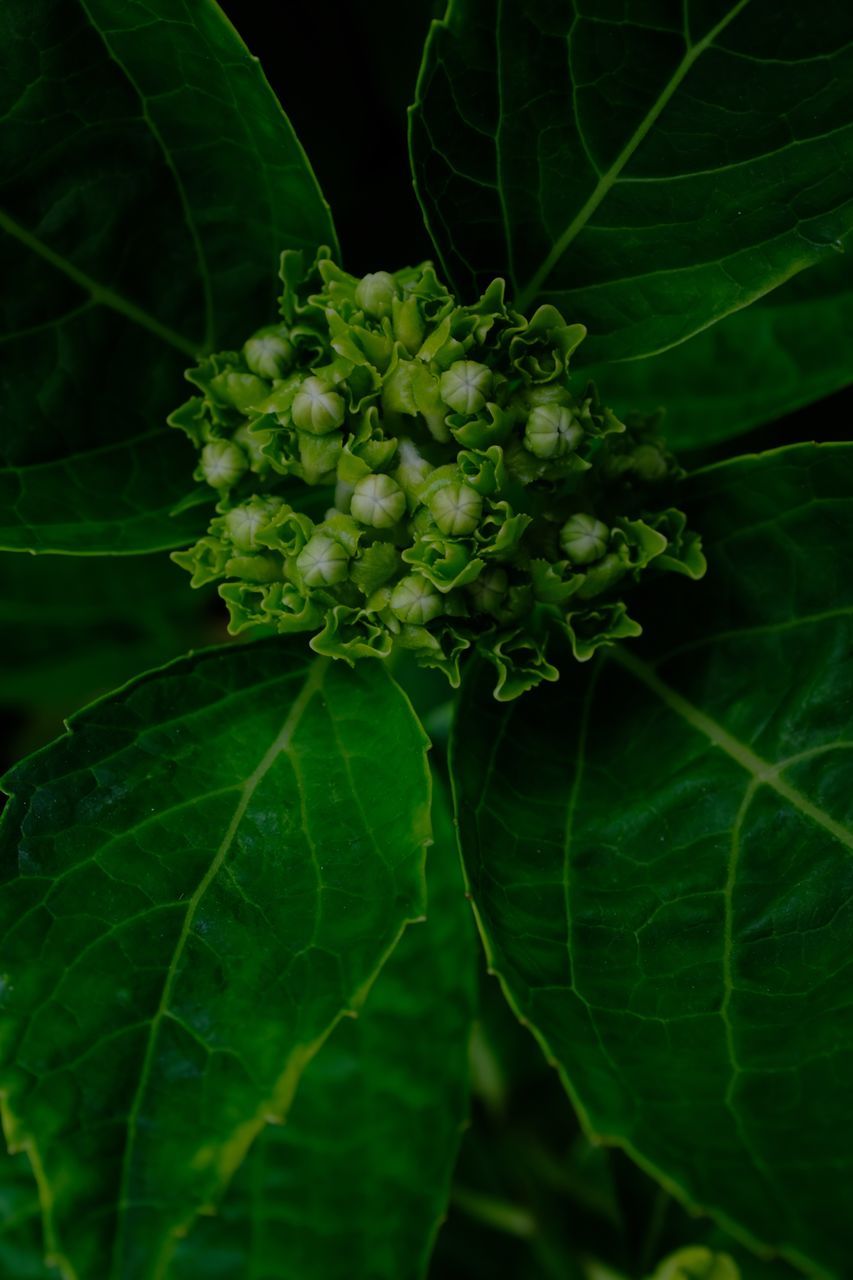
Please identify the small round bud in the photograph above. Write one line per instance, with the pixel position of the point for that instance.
(378, 500)
(223, 463)
(466, 385)
(243, 524)
(584, 539)
(551, 431)
(269, 353)
(240, 390)
(456, 509)
(375, 294)
(316, 408)
(489, 589)
(648, 462)
(322, 561)
(415, 600)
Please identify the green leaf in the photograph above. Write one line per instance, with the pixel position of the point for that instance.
(659, 852)
(354, 1185)
(787, 350)
(200, 880)
(648, 169)
(148, 182)
(21, 1248)
(74, 628)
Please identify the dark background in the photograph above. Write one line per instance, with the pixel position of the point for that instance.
(345, 72)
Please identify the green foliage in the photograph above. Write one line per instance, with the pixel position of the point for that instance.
(659, 854)
(211, 867)
(113, 109)
(365, 1196)
(787, 350)
(241, 1027)
(77, 627)
(646, 169)
(478, 501)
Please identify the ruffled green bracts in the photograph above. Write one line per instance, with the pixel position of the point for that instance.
(464, 494)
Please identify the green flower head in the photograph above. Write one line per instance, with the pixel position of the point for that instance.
(394, 469)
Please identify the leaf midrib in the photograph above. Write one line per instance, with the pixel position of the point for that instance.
(762, 771)
(527, 295)
(169, 160)
(311, 687)
(99, 293)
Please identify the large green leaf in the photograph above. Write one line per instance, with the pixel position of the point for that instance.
(647, 168)
(148, 182)
(199, 881)
(659, 851)
(354, 1185)
(21, 1249)
(787, 350)
(74, 628)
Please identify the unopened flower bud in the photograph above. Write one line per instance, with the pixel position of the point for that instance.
(223, 463)
(551, 431)
(456, 509)
(269, 352)
(316, 408)
(322, 561)
(243, 524)
(466, 386)
(415, 600)
(375, 294)
(584, 539)
(378, 500)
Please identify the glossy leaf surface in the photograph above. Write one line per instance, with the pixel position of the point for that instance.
(659, 851)
(787, 350)
(648, 169)
(354, 1185)
(148, 182)
(200, 879)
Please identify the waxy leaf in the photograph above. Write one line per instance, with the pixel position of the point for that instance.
(354, 1185)
(647, 169)
(199, 881)
(148, 182)
(659, 852)
(787, 350)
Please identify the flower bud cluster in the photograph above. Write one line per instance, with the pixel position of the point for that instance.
(394, 469)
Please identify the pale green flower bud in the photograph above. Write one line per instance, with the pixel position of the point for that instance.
(378, 500)
(241, 390)
(375, 294)
(551, 431)
(456, 509)
(584, 539)
(408, 324)
(466, 386)
(269, 353)
(223, 463)
(322, 561)
(489, 590)
(416, 600)
(243, 524)
(316, 408)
